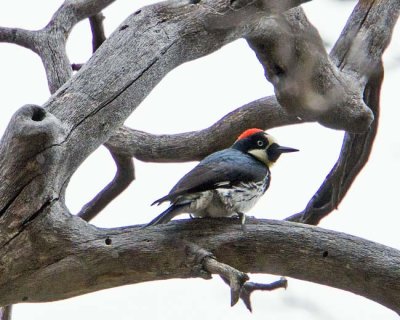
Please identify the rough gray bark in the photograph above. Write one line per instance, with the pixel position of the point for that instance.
(262, 113)
(94, 258)
(307, 83)
(359, 53)
(48, 254)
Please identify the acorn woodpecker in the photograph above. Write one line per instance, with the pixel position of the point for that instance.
(227, 182)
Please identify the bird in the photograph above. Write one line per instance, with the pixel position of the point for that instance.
(226, 183)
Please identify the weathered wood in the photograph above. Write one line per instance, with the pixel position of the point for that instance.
(95, 259)
(262, 113)
(107, 89)
(124, 175)
(306, 82)
(358, 52)
(49, 42)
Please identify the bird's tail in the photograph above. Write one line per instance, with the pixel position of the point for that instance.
(168, 214)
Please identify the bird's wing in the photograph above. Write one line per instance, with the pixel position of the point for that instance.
(221, 169)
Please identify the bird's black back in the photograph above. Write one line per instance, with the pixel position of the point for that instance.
(224, 168)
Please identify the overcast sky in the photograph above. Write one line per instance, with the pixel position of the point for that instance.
(192, 97)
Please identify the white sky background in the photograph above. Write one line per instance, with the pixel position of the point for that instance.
(192, 97)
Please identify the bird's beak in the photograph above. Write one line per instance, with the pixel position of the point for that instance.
(282, 149)
(275, 151)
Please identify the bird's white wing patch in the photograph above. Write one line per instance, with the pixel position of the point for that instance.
(222, 184)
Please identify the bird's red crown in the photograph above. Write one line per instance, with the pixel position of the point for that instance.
(248, 133)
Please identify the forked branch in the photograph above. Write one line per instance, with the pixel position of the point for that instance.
(359, 53)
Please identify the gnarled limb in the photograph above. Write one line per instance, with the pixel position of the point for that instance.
(97, 27)
(262, 113)
(358, 51)
(77, 258)
(49, 42)
(98, 36)
(353, 156)
(250, 287)
(124, 175)
(205, 264)
(306, 81)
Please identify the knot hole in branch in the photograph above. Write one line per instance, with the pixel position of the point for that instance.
(38, 113)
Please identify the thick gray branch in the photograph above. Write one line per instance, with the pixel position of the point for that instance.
(29, 157)
(306, 82)
(365, 59)
(97, 27)
(73, 11)
(365, 37)
(262, 113)
(52, 40)
(21, 37)
(354, 154)
(94, 259)
(49, 42)
(108, 88)
(124, 175)
(250, 287)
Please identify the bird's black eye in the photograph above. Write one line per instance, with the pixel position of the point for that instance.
(260, 143)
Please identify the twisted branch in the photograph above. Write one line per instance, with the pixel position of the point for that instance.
(358, 52)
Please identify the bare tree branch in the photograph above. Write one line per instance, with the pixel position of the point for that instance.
(73, 11)
(358, 50)
(233, 277)
(247, 288)
(125, 173)
(49, 42)
(124, 176)
(97, 27)
(365, 37)
(87, 259)
(21, 37)
(250, 287)
(306, 82)
(262, 113)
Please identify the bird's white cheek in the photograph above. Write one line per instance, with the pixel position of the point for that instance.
(260, 154)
